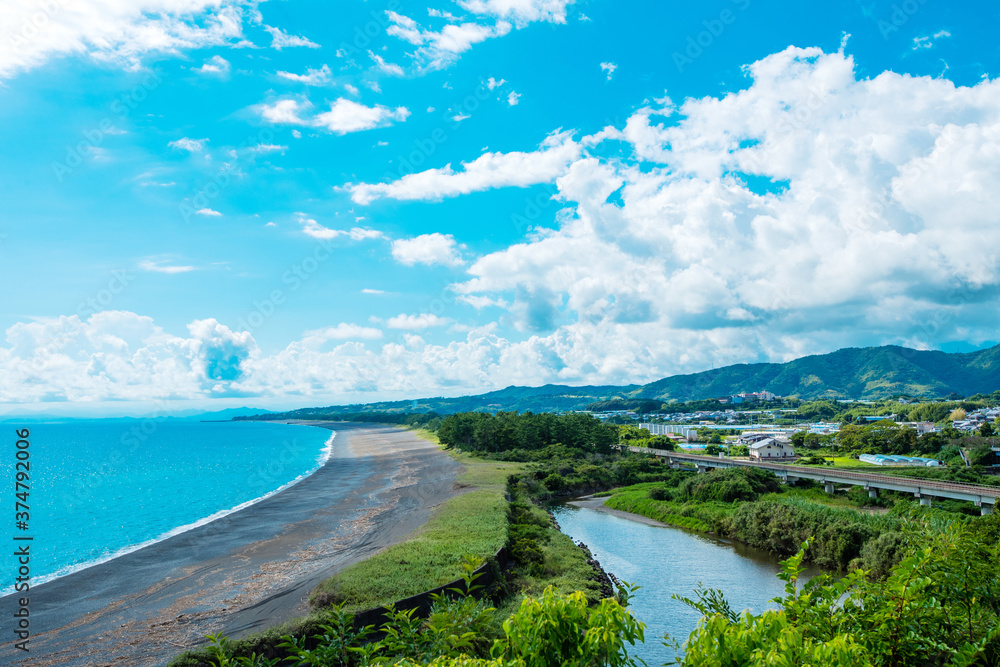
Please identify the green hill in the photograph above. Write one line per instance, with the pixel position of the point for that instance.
(858, 373)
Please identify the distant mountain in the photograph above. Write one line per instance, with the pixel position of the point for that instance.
(858, 373)
(222, 415)
(868, 373)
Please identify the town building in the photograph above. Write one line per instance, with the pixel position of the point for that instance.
(771, 449)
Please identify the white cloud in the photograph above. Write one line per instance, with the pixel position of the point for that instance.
(117, 355)
(116, 31)
(459, 117)
(926, 43)
(513, 98)
(342, 331)
(522, 12)
(207, 211)
(343, 117)
(428, 249)
(267, 148)
(312, 77)
(214, 65)
(493, 83)
(609, 68)
(346, 116)
(369, 290)
(387, 67)
(490, 170)
(810, 211)
(353, 90)
(282, 40)
(312, 228)
(190, 145)
(441, 48)
(284, 112)
(160, 266)
(422, 321)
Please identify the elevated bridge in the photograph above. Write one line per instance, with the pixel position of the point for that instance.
(984, 497)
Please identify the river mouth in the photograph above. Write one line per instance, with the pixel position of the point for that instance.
(664, 561)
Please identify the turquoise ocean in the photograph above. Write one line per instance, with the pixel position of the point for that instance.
(103, 488)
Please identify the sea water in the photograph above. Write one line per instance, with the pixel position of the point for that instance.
(103, 488)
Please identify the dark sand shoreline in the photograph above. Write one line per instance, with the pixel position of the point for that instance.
(248, 570)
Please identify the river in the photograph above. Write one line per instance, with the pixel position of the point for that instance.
(668, 560)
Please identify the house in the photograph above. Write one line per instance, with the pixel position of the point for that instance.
(751, 438)
(771, 449)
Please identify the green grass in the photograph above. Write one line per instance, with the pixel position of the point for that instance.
(635, 499)
(565, 565)
(472, 523)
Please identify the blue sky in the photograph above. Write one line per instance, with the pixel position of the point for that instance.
(295, 203)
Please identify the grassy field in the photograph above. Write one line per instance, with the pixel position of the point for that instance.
(474, 522)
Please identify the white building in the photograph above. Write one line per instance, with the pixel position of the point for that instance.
(771, 449)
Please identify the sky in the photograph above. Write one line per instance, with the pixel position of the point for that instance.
(291, 203)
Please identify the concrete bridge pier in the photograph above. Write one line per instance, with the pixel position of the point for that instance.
(873, 494)
(985, 509)
(829, 487)
(924, 500)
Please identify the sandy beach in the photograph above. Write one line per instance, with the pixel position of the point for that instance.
(249, 570)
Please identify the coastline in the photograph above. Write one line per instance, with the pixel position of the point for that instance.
(249, 569)
(325, 456)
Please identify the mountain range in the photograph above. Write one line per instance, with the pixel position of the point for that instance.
(850, 373)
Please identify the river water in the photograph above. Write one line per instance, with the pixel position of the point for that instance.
(667, 560)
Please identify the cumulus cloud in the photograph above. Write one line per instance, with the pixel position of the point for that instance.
(440, 48)
(190, 145)
(117, 31)
(214, 65)
(490, 170)
(342, 331)
(810, 210)
(344, 116)
(422, 321)
(212, 213)
(609, 69)
(387, 67)
(428, 249)
(282, 40)
(521, 12)
(492, 19)
(312, 228)
(312, 77)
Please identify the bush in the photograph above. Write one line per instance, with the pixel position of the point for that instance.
(729, 485)
(660, 493)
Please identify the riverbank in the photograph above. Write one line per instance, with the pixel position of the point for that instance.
(250, 569)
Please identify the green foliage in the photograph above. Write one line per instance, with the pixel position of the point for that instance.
(728, 485)
(507, 431)
(472, 523)
(564, 630)
(555, 629)
(938, 606)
